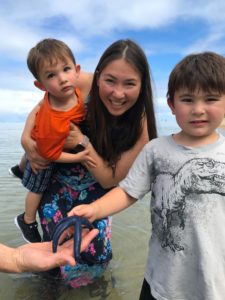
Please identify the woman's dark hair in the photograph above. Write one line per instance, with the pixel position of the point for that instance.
(111, 135)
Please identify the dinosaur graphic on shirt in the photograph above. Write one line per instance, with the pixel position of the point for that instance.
(199, 176)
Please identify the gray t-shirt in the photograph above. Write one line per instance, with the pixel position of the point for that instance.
(186, 259)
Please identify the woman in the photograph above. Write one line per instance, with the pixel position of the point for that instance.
(120, 121)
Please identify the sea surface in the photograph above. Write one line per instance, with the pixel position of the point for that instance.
(130, 235)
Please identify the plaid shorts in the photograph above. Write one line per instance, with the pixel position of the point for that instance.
(37, 183)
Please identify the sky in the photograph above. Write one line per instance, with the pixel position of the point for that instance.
(167, 30)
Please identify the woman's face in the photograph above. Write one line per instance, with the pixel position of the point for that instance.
(119, 86)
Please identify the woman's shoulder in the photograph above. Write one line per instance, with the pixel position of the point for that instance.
(84, 83)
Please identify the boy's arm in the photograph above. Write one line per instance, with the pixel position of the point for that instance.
(111, 203)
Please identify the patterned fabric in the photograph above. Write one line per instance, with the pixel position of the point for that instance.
(70, 186)
(37, 183)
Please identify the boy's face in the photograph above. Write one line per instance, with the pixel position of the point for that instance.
(198, 113)
(59, 79)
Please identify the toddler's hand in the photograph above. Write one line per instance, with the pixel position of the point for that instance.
(37, 162)
(73, 138)
(84, 157)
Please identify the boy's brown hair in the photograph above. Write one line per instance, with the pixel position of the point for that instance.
(204, 71)
(47, 50)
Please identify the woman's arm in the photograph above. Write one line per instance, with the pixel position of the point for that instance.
(102, 172)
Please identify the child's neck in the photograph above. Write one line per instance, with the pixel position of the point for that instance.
(63, 104)
(195, 141)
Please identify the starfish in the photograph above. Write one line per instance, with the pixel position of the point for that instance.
(63, 224)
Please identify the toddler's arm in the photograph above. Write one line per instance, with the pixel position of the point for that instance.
(82, 157)
(36, 161)
(111, 203)
(30, 122)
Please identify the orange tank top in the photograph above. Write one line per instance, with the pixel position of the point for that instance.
(52, 126)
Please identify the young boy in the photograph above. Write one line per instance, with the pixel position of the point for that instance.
(185, 173)
(53, 65)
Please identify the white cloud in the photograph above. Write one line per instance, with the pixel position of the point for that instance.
(87, 25)
(23, 23)
(20, 102)
(97, 17)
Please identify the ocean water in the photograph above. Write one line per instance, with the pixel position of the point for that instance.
(130, 235)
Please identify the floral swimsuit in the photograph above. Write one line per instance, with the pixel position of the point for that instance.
(72, 185)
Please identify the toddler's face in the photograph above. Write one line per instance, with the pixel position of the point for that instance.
(59, 78)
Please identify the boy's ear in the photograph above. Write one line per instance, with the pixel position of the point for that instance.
(78, 69)
(39, 85)
(171, 105)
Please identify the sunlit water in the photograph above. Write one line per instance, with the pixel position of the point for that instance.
(130, 234)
